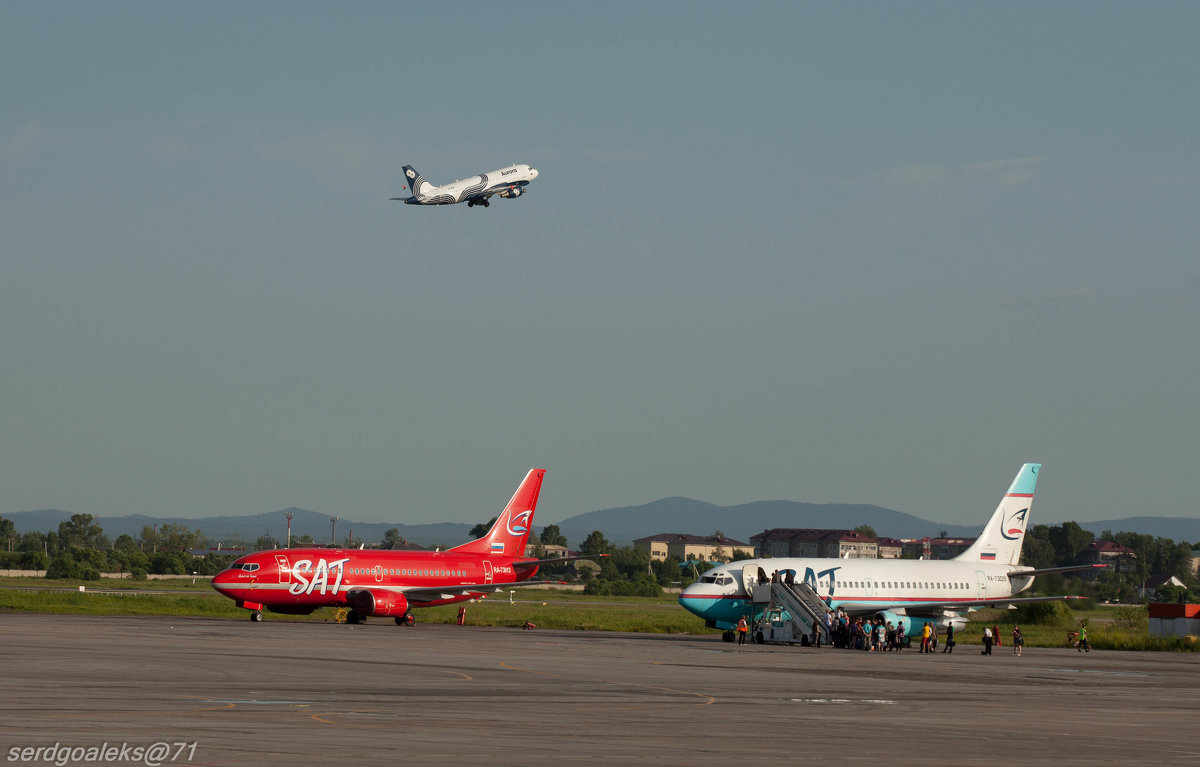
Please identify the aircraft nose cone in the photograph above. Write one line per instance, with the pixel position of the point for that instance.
(223, 581)
(533, 173)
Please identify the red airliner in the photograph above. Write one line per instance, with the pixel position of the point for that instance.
(390, 583)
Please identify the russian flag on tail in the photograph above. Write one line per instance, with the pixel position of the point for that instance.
(988, 555)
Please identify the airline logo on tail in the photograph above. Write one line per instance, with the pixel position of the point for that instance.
(519, 525)
(1014, 527)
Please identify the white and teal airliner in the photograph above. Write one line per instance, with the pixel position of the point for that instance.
(510, 182)
(917, 592)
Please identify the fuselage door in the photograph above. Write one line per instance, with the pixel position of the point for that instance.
(487, 571)
(981, 581)
(749, 578)
(285, 569)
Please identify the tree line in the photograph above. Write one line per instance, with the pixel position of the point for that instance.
(628, 571)
(80, 549)
(1064, 545)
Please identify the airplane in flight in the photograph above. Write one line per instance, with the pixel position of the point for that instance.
(917, 592)
(507, 182)
(390, 583)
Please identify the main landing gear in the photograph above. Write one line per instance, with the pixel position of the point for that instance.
(256, 616)
(483, 202)
(354, 617)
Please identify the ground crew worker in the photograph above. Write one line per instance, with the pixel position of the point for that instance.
(742, 628)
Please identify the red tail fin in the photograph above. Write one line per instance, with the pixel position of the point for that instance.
(507, 537)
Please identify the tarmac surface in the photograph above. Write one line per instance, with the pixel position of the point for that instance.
(280, 693)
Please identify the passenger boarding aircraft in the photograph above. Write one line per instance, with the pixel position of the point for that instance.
(918, 592)
(507, 182)
(390, 583)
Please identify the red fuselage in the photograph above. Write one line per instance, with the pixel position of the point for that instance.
(302, 580)
(388, 583)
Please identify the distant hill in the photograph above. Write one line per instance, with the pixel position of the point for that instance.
(620, 525)
(251, 526)
(685, 515)
(38, 521)
(1178, 529)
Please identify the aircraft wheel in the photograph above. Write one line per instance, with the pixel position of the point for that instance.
(727, 636)
(354, 617)
(256, 616)
(408, 619)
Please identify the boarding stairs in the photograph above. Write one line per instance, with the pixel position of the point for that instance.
(800, 603)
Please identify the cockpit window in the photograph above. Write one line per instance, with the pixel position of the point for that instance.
(247, 566)
(708, 579)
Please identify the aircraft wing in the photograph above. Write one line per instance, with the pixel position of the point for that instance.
(481, 196)
(1048, 570)
(555, 560)
(419, 594)
(930, 609)
(434, 593)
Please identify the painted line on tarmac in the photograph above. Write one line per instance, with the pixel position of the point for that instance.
(1094, 671)
(873, 701)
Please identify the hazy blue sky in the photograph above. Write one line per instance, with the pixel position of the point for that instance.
(858, 252)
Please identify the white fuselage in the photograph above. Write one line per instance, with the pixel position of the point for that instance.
(859, 586)
(934, 590)
(502, 181)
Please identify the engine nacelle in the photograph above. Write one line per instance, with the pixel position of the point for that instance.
(914, 624)
(516, 191)
(384, 603)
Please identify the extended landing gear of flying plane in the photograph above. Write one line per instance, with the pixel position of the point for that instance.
(483, 202)
(405, 620)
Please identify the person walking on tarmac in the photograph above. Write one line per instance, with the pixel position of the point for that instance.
(988, 639)
(949, 638)
(742, 628)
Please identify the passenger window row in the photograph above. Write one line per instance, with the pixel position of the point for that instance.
(409, 571)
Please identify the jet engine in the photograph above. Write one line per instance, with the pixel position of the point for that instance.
(367, 602)
(516, 191)
(914, 623)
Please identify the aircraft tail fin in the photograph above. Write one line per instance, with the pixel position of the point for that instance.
(1001, 539)
(416, 182)
(511, 529)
